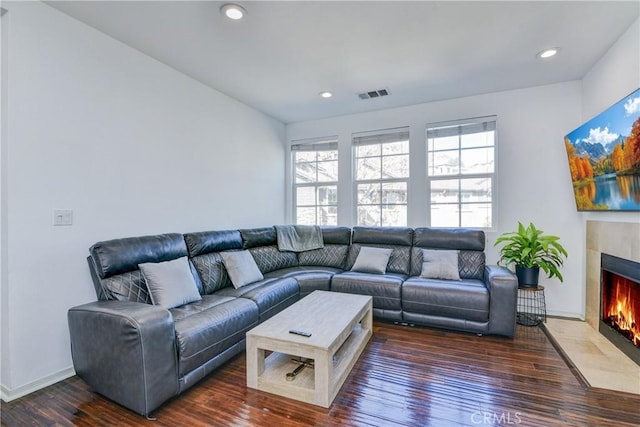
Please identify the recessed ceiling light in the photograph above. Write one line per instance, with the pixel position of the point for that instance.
(326, 94)
(233, 11)
(548, 53)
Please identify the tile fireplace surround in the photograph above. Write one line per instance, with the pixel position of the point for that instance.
(598, 360)
(620, 239)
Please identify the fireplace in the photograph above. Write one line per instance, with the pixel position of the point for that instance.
(620, 304)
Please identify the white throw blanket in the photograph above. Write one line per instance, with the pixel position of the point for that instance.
(299, 238)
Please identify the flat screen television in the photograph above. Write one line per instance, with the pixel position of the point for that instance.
(604, 158)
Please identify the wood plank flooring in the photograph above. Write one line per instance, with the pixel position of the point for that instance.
(407, 376)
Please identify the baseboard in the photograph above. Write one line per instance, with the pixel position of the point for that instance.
(565, 315)
(8, 395)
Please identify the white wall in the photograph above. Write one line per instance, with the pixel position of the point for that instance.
(532, 172)
(133, 147)
(613, 77)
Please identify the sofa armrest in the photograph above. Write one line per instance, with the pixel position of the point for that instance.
(125, 351)
(503, 298)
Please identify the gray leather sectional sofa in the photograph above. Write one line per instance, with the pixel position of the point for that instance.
(140, 355)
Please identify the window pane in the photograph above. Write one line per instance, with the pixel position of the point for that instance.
(368, 150)
(400, 147)
(394, 193)
(305, 156)
(305, 172)
(475, 190)
(445, 143)
(368, 168)
(457, 201)
(444, 191)
(316, 204)
(306, 216)
(394, 216)
(481, 139)
(369, 215)
(444, 215)
(327, 215)
(328, 171)
(305, 196)
(395, 166)
(444, 163)
(368, 194)
(327, 195)
(477, 160)
(476, 215)
(327, 155)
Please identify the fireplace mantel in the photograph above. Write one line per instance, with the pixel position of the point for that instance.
(614, 238)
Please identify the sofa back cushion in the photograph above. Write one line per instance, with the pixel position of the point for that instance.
(398, 239)
(205, 242)
(270, 258)
(204, 250)
(212, 272)
(469, 242)
(255, 237)
(262, 243)
(335, 250)
(114, 264)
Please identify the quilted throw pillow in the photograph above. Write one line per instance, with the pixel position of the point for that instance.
(440, 264)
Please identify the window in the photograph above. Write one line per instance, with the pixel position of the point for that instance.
(315, 188)
(382, 174)
(460, 171)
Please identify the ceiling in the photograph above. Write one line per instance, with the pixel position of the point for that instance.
(283, 54)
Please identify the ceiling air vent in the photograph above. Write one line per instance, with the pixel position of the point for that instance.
(373, 94)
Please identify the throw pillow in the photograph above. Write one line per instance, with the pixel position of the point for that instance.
(440, 264)
(242, 268)
(170, 283)
(372, 260)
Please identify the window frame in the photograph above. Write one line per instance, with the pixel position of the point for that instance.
(316, 146)
(380, 137)
(492, 123)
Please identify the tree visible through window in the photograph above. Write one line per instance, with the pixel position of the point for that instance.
(315, 189)
(382, 174)
(460, 170)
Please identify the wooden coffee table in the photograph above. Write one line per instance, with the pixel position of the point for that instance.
(340, 326)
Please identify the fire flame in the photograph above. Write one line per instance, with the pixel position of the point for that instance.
(623, 309)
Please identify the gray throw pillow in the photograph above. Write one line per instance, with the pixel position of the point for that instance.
(372, 260)
(170, 283)
(440, 264)
(241, 267)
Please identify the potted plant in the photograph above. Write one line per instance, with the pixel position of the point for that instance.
(530, 250)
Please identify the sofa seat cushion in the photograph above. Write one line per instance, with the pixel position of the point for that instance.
(466, 299)
(310, 278)
(385, 289)
(300, 271)
(208, 327)
(270, 295)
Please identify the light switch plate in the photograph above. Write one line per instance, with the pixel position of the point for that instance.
(62, 217)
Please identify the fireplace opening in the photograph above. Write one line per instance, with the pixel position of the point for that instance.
(620, 304)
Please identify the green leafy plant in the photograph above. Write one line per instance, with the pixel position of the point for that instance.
(529, 247)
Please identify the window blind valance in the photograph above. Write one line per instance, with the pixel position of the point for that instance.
(315, 146)
(381, 137)
(445, 130)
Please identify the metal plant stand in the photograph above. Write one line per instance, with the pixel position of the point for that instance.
(532, 308)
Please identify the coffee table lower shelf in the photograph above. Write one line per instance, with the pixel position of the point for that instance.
(329, 375)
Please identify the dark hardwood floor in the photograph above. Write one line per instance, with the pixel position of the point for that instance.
(407, 376)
